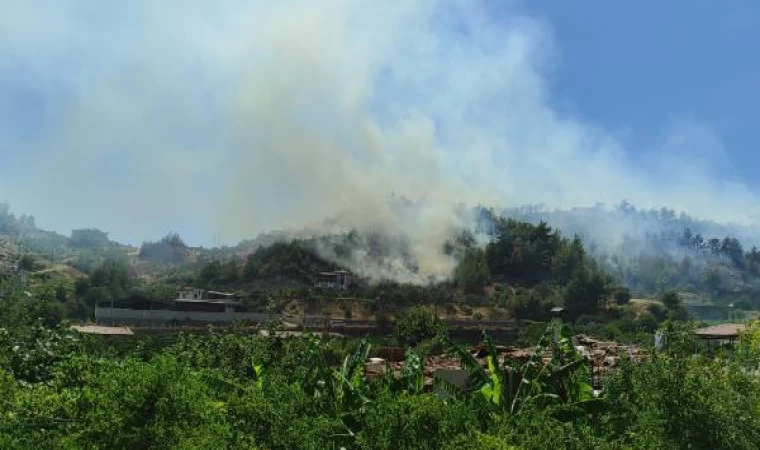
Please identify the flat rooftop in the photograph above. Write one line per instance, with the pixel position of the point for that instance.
(213, 301)
(225, 294)
(722, 331)
(104, 331)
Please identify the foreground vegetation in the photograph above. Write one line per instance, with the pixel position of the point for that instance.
(227, 390)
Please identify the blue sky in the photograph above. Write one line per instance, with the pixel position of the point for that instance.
(141, 118)
(637, 66)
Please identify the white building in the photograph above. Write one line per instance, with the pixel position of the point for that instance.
(333, 280)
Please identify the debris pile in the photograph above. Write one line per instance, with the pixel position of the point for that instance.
(604, 355)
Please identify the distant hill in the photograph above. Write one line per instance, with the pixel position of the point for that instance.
(83, 250)
(650, 251)
(659, 249)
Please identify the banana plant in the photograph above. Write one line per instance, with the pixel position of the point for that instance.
(413, 373)
(258, 372)
(349, 389)
(314, 375)
(412, 377)
(227, 385)
(350, 382)
(343, 390)
(562, 380)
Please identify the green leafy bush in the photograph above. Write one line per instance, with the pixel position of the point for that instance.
(227, 390)
(415, 326)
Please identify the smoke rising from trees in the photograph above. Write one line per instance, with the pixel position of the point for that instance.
(238, 118)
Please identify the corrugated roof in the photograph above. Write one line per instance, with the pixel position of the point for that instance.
(97, 329)
(725, 330)
(226, 294)
(216, 301)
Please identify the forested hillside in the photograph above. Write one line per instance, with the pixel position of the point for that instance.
(652, 251)
(511, 265)
(84, 249)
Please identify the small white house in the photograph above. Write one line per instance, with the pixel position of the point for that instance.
(333, 280)
(192, 299)
(190, 294)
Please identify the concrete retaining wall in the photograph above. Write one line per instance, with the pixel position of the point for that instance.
(123, 316)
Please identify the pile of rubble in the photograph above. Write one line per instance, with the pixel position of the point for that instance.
(434, 364)
(604, 356)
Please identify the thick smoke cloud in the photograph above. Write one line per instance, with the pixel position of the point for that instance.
(233, 118)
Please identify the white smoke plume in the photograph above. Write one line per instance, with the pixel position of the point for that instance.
(237, 117)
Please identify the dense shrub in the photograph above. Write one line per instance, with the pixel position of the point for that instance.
(415, 326)
(226, 390)
(90, 238)
(472, 273)
(684, 402)
(622, 295)
(414, 422)
(170, 249)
